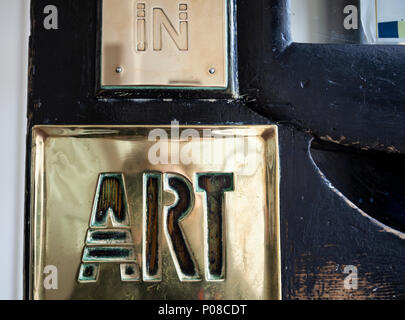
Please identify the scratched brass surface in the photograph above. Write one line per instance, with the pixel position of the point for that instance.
(66, 164)
(180, 43)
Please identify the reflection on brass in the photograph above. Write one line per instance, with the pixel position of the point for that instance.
(164, 43)
(124, 215)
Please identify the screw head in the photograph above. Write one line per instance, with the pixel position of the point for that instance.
(118, 70)
(212, 70)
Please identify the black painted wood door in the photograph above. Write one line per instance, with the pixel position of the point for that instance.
(340, 111)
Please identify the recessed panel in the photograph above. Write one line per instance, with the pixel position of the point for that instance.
(155, 213)
(160, 43)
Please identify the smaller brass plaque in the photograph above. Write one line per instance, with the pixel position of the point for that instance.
(160, 43)
(139, 212)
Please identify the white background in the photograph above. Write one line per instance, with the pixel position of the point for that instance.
(14, 31)
(391, 10)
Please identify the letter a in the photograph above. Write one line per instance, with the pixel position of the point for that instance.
(51, 20)
(109, 238)
(352, 20)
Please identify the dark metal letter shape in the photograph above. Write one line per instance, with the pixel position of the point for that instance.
(110, 202)
(214, 185)
(183, 259)
(152, 207)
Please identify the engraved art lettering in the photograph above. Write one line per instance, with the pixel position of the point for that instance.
(109, 238)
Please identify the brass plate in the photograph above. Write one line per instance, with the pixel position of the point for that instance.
(149, 43)
(106, 202)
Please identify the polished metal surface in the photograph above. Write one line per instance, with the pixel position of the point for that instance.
(149, 43)
(138, 212)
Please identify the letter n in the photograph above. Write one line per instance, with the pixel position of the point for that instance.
(161, 20)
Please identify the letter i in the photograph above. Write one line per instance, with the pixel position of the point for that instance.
(183, 17)
(141, 27)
